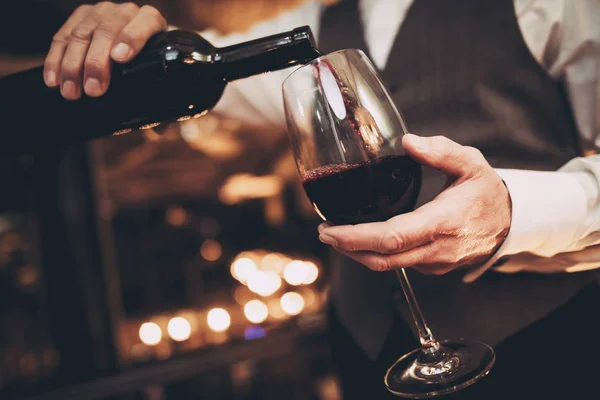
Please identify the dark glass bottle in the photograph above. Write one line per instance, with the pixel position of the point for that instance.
(179, 75)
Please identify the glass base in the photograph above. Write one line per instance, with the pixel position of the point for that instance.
(452, 367)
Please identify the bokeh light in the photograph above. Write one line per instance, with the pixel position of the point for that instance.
(312, 273)
(150, 333)
(264, 283)
(292, 303)
(218, 320)
(295, 272)
(256, 311)
(179, 329)
(242, 269)
(211, 250)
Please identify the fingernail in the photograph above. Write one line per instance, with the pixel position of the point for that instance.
(322, 227)
(51, 78)
(93, 87)
(121, 52)
(69, 90)
(330, 240)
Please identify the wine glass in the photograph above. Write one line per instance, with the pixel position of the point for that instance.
(346, 135)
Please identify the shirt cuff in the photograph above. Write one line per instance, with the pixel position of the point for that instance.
(548, 209)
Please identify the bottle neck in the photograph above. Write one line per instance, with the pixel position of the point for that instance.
(267, 54)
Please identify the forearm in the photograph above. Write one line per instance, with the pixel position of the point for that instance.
(10, 64)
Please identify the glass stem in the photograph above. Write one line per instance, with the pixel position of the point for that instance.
(428, 342)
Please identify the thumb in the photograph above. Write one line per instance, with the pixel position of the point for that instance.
(442, 153)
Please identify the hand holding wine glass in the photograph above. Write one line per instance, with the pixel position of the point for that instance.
(358, 167)
(464, 225)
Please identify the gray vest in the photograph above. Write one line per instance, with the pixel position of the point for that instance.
(460, 68)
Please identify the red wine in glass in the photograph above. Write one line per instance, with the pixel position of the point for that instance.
(371, 191)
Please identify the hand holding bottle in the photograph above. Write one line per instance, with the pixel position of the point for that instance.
(95, 35)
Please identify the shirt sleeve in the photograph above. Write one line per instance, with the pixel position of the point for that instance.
(258, 100)
(552, 213)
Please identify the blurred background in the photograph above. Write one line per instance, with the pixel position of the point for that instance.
(173, 264)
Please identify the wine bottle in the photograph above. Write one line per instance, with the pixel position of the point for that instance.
(178, 75)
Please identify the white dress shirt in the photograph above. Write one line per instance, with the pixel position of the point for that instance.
(555, 215)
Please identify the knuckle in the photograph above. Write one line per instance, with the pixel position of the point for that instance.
(83, 9)
(50, 65)
(447, 147)
(163, 22)
(96, 67)
(390, 242)
(129, 36)
(130, 7)
(477, 159)
(107, 29)
(433, 141)
(441, 149)
(475, 155)
(440, 141)
(474, 152)
(439, 224)
(448, 225)
(70, 69)
(151, 11)
(103, 5)
(60, 38)
(345, 244)
(444, 228)
(380, 264)
(82, 34)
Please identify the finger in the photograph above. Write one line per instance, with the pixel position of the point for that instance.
(59, 45)
(425, 259)
(97, 66)
(148, 22)
(442, 153)
(383, 262)
(434, 269)
(398, 234)
(373, 261)
(71, 69)
(323, 226)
